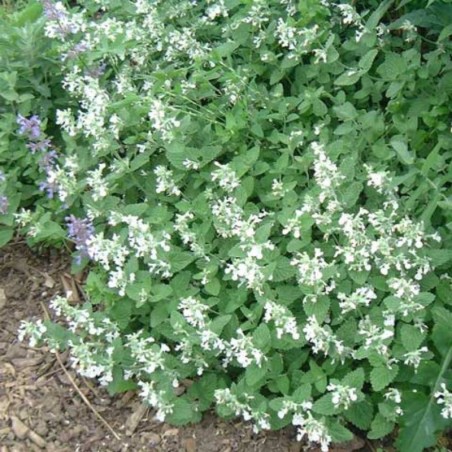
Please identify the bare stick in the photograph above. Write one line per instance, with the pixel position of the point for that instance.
(74, 384)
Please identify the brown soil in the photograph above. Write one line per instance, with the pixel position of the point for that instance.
(41, 410)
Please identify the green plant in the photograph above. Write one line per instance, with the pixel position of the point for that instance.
(262, 190)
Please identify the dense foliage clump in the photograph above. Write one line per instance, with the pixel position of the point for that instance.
(261, 191)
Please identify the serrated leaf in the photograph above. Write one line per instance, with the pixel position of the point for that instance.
(261, 336)
(302, 393)
(366, 61)
(380, 427)
(360, 414)
(283, 270)
(255, 373)
(183, 412)
(355, 379)
(411, 337)
(338, 433)
(382, 376)
(318, 308)
(325, 406)
(349, 77)
(393, 67)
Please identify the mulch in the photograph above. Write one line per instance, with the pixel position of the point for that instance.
(40, 409)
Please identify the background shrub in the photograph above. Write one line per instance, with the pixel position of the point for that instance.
(262, 192)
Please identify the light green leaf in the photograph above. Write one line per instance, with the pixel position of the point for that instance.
(412, 337)
(382, 376)
(360, 414)
(380, 427)
(401, 148)
(366, 61)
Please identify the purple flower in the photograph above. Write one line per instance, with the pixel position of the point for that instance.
(30, 127)
(77, 50)
(49, 187)
(41, 145)
(48, 160)
(4, 204)
(52, 12)
(96, 72)
(80, 230)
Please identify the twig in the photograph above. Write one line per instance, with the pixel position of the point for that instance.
(74, 384)
(371, 447)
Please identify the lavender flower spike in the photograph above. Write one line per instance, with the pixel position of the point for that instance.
(4, 204)
(80, 230)
(30, 127)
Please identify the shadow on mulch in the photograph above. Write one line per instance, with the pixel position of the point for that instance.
(41, 410)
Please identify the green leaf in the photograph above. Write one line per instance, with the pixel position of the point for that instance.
(261, 336)
(360, 414)
(380, 427)
(346, 111)
(179, 260)
(393, 67)
(122, 311)
(339, 434)
(411, 337)
(422, 417)
(183, 412)
(255, 374)
(119, 384)
(355, 379)
(440, 257)
(319, 308)
(283, 270)
(366, 61)
(302, 393)
(379, 12)
(213, 287)
(401, 148)
(382, 376)
(442, 331)
(325, 406)
(349, 77)
(6, 234)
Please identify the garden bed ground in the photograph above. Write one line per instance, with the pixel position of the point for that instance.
(41, 410)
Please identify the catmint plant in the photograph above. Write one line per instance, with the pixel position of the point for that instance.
(263, 198)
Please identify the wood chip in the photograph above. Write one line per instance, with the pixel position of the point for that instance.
(70, 288)
(189, 444)
(134, 419)
(19, 428)
(2, 298)
(49, 281)
(40, 442)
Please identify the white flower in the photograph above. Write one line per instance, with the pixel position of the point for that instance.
(360, 297)
(194, 311)
(310, 269)
(414, 358)
(35, 331)
(165, 181)
(285, 323)
(342, 395)
(314, 429)
(226, 176)
(444, 397)
(394, 395)
(97, 183)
